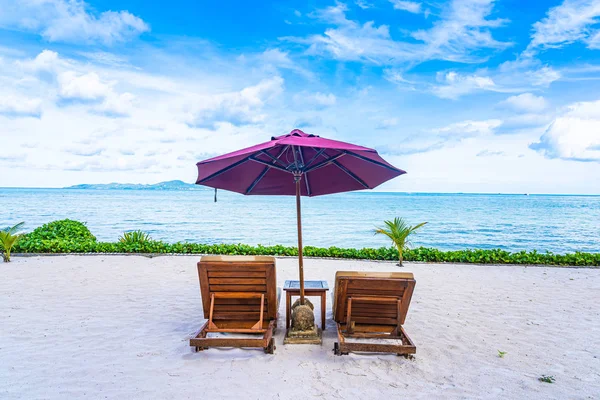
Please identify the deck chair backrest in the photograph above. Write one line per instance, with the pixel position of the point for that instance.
(231, 275)
(381, 285)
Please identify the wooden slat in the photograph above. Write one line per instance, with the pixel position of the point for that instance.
(377, 348)
(236, 274)
(238, 288)
(237, 307)
(358, 292)
(239, 316)
(237, 281)
(377, 284)
(227, 342)
(237, 295)
(241, 266)
(375, 321)
(367, 314)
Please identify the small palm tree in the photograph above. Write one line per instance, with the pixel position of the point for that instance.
(135, 237)
(398, 231)
(8, 238)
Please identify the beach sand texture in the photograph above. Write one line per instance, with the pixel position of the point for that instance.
(117, 327)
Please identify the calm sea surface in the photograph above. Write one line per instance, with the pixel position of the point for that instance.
(456, 221)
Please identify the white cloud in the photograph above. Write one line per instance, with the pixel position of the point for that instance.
(573, 135)
(237, 108)
(316, 99)
(71, 21)
(444, 137)
(85, 87)
(526, 102)
(281, 59)
(117, 104)
(363, 4)
(410, 6)
(19, 106)
(469, 128)
(462, 32)
(543, 76)
(464, 29)
(457, 85)
(46, 61)
(569, 22)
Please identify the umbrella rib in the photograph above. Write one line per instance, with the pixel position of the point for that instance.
(351, 174)
(305, 174)
(372, 161)
(222, 171)
(252, 158)
(327, 161)
(264, 171)
(276, 159)
(319, 152)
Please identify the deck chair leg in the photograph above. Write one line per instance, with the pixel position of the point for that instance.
(259, 324)
(349, 326)
(211, 324)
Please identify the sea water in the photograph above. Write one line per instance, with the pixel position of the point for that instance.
(454, 221)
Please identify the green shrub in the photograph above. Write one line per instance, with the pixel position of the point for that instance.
(46, 239)
(62, 230)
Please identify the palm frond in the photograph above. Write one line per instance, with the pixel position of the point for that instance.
(398, 231)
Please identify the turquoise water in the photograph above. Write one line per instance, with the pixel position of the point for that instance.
(456, 221)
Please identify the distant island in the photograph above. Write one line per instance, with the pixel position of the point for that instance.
(169, 185)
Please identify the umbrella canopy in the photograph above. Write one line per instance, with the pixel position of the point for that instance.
(297, 164)
(326, 166)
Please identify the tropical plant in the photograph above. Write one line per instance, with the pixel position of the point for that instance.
(62, 229)
(135, 237)
(8, 238)
(398, 231)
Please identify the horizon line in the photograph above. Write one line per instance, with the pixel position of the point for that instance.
(369, 191)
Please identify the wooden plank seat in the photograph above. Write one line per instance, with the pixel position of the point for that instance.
(372, 305)
(239, 296)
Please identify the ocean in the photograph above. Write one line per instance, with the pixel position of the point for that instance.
(455, 221)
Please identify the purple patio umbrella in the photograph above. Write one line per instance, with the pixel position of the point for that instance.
(297, 164)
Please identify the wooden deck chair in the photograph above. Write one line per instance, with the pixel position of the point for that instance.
(239, 295)
(372, 305)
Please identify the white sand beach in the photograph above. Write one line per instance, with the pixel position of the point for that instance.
(117, 327)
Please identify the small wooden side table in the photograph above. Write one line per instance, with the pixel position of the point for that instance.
(311, 288)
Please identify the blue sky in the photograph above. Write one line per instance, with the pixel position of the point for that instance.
(466, 95)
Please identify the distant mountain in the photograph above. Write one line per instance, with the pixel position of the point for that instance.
(169, 185)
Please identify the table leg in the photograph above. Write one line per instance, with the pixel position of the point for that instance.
(323, 309)
(288, 305)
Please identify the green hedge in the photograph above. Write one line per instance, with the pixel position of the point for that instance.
(423, 254)
(67, 236)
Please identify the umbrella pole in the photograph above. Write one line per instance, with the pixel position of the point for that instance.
(299, 219)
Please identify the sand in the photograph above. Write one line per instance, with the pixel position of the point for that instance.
(117, 327)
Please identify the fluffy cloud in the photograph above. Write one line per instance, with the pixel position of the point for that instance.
(85, 87)
(71, 21)
(410, 6)
(237, 108)
(526, 102)
(456, 85)
(19, 106)
(574, 135)
(569, 22)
